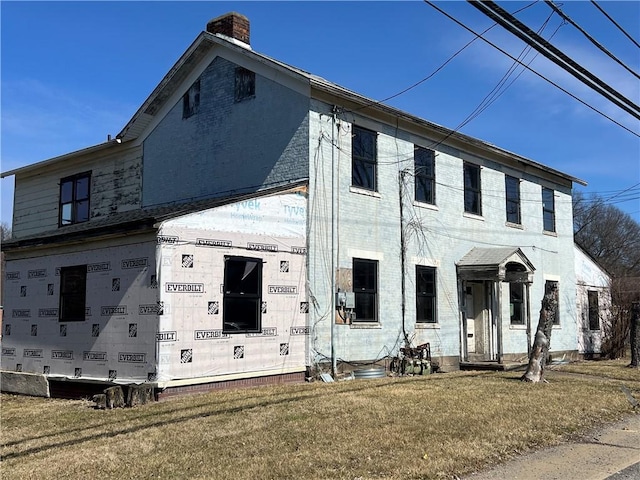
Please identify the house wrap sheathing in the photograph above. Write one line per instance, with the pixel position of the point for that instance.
(154, 302)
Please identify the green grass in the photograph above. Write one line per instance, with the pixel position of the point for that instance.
(404, 428)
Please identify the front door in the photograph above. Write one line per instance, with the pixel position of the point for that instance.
(480, 331)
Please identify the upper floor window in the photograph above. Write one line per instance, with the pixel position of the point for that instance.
(365, 289)
(191, 100)
(472, 199)
(73, 293)
(594, 310)
(74, 199)
(548, 210)
(245, 86)
(425, 177)
(512, 188)
(364, 158)
(242, 298)
(425, 294)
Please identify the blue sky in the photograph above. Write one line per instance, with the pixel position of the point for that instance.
(74, 72)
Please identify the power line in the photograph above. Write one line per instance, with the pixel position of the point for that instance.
(431, 4)
(520, 30)
(565, 17)
(615, 23)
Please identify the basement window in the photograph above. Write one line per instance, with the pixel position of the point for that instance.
(245, 86)
(74, 199)
(73, 293)
(191, 100)
(242, 300)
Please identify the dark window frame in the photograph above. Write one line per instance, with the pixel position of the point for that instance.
(365, 289)
(191, 100)
(74, 206)
(426, 295)
(517, 303)
(548, 210)
(364, 169)
(236, 300)
(424, 165)
(512, 198)
(593, 309)
(244, 84)
(73, 294)
(472, 193)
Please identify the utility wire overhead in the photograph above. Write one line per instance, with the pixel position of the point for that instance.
(615, 23)
(566, 18)
(431, 4)
(513, 25)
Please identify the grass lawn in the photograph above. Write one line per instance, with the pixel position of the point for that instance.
(406, 428)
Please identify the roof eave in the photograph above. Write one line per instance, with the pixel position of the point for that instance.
(453, 137)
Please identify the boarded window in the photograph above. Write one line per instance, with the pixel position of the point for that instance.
(242, 301)
(73, 293)
(191, 100)
(594, 310)
(245, 85)
(74, 199)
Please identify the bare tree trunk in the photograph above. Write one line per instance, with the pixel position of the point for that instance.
(540, 350)
(635, 335)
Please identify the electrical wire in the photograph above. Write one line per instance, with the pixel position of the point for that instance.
(615, 23)
(524, 33)
(431, 4)
(557, 9)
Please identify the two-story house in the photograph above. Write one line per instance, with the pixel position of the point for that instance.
(253, 222)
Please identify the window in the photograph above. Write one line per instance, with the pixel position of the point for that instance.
(73, 293)
(242, 298)
(424, 168)
(512, 188)
(191, 100)
(364, 154)
(74, 199)
(594, 310)
(245, 84)
(365, 288)
(548, 210)
(550, 285)
(472, 203)
(516, 303)
(425, 294)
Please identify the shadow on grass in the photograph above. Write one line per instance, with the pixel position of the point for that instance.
(358, 386)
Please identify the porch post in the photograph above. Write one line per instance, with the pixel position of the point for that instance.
(527, 308)
(498, 314)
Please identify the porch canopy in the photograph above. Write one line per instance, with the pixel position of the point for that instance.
(503, 264)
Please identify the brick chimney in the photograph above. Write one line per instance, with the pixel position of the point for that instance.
(231, 25)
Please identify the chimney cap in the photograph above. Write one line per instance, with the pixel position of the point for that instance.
(233, 25)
